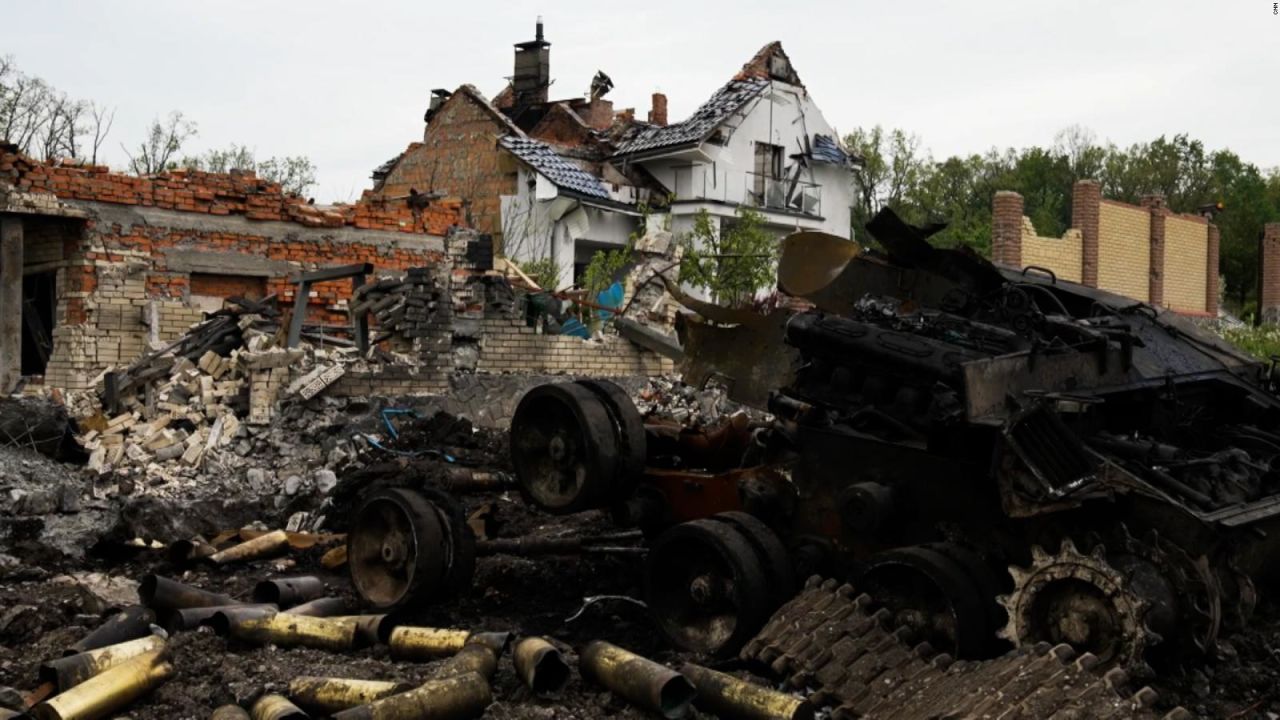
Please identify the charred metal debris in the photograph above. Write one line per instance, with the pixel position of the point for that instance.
(1066, 487)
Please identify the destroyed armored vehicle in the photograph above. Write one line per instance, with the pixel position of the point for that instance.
(996, 456)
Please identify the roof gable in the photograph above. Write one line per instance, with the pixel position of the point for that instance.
(771, 63)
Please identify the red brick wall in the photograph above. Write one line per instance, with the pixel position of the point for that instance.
(1086, 199)
(234, 193)
(1271, 273)
(458, 155)
(1155, 204)
(225, 286)
(1211, 281)
(1006, 229)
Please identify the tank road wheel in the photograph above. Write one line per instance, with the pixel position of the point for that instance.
(933, 596)
(1084, 601)
(629, 437)
(707, 587)
(563, 448)
(769, 548)
(403, 547)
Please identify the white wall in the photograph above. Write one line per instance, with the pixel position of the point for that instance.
(782, 115)
(543, 223)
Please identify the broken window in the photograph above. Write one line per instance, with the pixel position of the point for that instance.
(768, 167)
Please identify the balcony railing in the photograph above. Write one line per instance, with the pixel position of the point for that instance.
(754, 190)
(785, 194)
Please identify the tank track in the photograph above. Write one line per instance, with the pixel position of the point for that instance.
(828, 639)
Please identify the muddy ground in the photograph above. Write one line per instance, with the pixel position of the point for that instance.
(47, 605)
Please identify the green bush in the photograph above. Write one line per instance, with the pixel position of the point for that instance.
(1260, 342)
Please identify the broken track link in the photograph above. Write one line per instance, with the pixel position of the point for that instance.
(830, 639)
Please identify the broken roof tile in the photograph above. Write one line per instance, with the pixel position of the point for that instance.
(724, 103)
(827, 149)
(563, 173)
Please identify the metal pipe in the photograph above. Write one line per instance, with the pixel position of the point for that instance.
(161, 593)
(640, 680)
(276, 707)
(326, 695)
(321, 607)
(230, 712)
(131, 623)
(286, 592)
(726, 696)
(71, 670)
(108, 692)
(266, 545)
(286, 630)
(456, 698)
(540, 665)
(191, 618)
(408, 642)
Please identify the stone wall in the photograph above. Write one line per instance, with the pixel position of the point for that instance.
(1144, 252)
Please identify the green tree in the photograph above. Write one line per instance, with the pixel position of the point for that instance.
(731, 262)
(295, 174)
(160, 146)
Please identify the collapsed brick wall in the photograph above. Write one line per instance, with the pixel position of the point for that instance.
(125, 263)
(459, 156)
(234, 193)
(136, 251)
(1144, 252)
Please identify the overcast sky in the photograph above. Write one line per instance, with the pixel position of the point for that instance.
(346, 83)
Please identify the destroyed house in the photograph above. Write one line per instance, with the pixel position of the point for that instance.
(559, 180)
(106, 267)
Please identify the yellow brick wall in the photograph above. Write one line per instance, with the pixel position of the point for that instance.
(509, 346)
(1124, 251)
(1061, 255)
(1185, 259)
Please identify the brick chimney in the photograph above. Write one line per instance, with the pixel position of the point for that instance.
(658, 115)
(532, 74)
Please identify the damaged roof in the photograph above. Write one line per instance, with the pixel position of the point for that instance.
(827, 149)
(725, 102)
(563, 173)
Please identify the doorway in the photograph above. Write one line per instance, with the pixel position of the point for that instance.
(39, 301)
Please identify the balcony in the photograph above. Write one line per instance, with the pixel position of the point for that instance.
(782, 195)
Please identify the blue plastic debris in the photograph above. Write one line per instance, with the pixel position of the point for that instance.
(574, 327)
(610, 297)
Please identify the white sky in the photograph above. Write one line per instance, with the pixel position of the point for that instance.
(346, 83)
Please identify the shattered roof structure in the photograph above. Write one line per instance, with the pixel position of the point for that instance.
(563, 173)
(719, 107)
(827, 149)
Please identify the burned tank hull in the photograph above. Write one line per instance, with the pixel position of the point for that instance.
(1023, 447)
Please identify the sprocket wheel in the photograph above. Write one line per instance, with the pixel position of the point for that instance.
(1078, 599)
